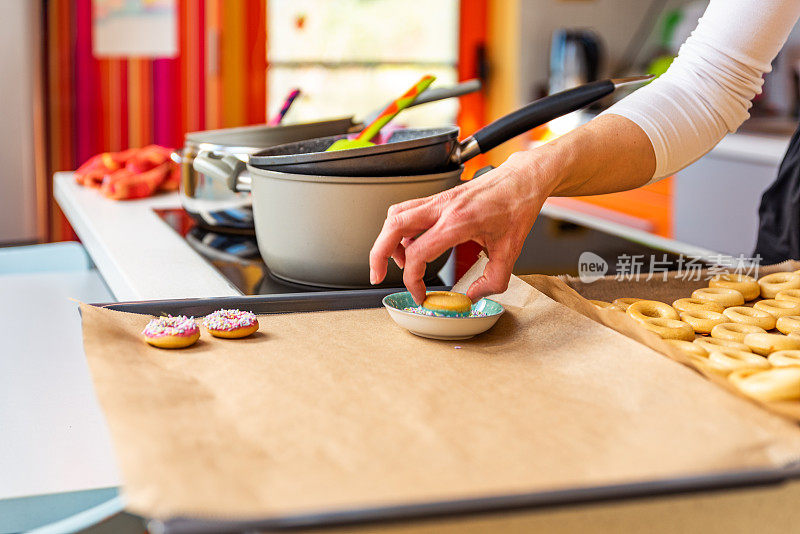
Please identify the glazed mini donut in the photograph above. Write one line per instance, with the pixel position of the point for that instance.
(726, 360)
(703, 321)
(448, 303)
(746, 285)
(772, 284)
(765, 344)
(778, 308)
(735, 331)
(625, 302)
(230, 324)
(788, 324)
(690, 304)
(171, 332)
(721, 295)
(669, 328)
(688, 347)
(713, 343)
(784, 358)
(745, 315)
(780, 383)
(651, 309)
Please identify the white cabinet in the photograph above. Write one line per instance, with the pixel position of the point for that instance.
(716, 199)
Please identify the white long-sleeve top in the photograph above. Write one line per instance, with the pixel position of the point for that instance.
(708, 89)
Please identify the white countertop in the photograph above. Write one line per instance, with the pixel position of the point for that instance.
(138, 254)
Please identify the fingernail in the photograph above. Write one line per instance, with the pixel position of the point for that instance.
(372, 278)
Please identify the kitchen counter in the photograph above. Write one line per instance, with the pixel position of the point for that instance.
(138, 255)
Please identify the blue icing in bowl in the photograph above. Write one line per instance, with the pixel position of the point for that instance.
(404, 302)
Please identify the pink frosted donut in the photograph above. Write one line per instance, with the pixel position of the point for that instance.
(171, 332)
(230, 324)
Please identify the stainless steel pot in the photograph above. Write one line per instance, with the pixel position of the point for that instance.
(318, 230)
(210, 201)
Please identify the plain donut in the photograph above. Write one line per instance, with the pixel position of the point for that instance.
(784, 358)
(772, 284)
(713, 343)
(690, 304)
(721, 295)
(703, 321)
(735, 331)
(765, 344)
(726, 360)
(669, 328)
(780, 383)
(746, 285)
(745, 315)
(651, 309)
(778, 308)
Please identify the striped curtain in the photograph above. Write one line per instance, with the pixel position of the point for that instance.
(93, 105)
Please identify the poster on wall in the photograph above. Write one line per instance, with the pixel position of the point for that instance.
(138, 28)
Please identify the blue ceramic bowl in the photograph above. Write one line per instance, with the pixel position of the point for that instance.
(483, 316)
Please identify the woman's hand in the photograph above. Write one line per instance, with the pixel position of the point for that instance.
(496, 210)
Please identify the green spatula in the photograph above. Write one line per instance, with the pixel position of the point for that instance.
(364, 139)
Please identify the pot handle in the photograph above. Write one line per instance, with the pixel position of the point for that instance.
(539, 112)
(226, 168)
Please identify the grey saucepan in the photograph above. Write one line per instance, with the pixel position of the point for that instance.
(318, 230)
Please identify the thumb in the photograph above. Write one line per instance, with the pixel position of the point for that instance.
(494, 280)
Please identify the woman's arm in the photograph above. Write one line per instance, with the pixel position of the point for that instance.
(651, 134)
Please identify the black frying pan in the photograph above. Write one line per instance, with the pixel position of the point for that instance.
(427, 150)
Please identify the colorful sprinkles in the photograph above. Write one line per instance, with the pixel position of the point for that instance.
(169, 325)
(419, 310)
(228, 320)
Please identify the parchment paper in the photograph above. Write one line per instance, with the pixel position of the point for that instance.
(340, 410)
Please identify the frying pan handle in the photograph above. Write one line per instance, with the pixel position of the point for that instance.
(219, 167)
(534, 114)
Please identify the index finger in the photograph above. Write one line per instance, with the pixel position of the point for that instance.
(409, 223)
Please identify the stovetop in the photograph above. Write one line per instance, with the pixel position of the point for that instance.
(236, 257)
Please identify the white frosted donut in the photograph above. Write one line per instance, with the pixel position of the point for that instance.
(788, 324)
(772, 284)
(171, 332)
(651, 309)
(746, 285)
(669, 328)
(688, 347)
(780, 383)
(745, 315)
(784, 358)
(765, 344)
(735, 331)
(778, 308)
(726, 360)
(721, 295)
(624, 302)
(690, 304)
(703, 321)
(788, 294)
(713, 343)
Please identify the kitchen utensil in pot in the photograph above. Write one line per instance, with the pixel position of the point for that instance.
(213, 159)
(293, 94)
(427, 150)
(318, 230)
(364, 138)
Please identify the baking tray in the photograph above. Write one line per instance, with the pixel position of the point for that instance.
(372, 516)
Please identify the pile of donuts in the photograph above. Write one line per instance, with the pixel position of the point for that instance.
(757, 346)
(179, 332)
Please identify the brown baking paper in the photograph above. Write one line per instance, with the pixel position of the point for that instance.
(666, 289)
(338, 410)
